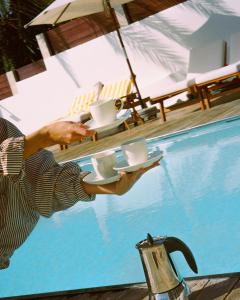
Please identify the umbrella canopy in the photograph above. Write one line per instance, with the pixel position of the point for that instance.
(63, 10)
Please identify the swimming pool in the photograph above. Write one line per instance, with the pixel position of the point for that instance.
(194, 195)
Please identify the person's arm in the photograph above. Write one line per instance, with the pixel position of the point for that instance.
(62, 132)
(11, 150)
(126, 181)
(66, 132)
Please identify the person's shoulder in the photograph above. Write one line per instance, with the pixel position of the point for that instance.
(3, 127)
(4, 122)
(8, 129)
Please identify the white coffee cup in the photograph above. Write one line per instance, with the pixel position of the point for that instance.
(135, 151)
(104, 112)
(103, 164)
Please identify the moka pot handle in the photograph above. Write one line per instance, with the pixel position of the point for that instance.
(173, 244)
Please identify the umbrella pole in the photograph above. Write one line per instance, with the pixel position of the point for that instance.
(133, 76)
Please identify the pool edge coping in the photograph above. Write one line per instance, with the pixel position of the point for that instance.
(164, 136)
(112, 287)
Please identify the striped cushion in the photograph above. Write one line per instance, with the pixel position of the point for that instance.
(118, 89)
(81, 103)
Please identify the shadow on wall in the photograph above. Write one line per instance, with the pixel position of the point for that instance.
(152, 46)
(165, 39)
(67, 67)
(217, 27)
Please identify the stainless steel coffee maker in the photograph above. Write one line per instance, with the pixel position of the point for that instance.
(163, 280)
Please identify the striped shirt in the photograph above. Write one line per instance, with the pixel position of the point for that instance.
(37, 186)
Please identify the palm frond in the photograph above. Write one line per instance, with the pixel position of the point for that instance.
(20, 46)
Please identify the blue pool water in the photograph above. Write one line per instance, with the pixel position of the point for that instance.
(194, 195)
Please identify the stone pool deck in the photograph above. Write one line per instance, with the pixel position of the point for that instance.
(222, 287)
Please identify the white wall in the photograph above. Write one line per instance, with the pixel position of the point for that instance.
(157, 46)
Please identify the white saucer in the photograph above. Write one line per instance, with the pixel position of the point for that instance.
(93, 179)
(114, 124)
(152, 158)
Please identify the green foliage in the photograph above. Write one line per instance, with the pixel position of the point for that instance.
(18, 45)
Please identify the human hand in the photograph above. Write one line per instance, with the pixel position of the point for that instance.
(65, 132)
(61, 132)
(127, 180)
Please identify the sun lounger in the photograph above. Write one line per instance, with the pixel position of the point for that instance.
(122, 89)
(218, 82)
(79, 108)
(223, 80)
(119, 89)
(201, 60)
(116, 89)
(169, 92)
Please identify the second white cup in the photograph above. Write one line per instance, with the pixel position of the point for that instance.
(103, 164)
(135, 151)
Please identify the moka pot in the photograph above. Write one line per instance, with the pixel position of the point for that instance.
(163, 280)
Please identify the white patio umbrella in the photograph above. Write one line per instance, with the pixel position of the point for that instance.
(63, 10)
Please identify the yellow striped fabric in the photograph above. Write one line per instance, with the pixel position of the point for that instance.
(116, 89)
(81, 103)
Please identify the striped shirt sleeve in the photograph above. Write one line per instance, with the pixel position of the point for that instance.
(11, 149)
(11, 156)
(60, 188)
(49, 186)
(30, 188)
